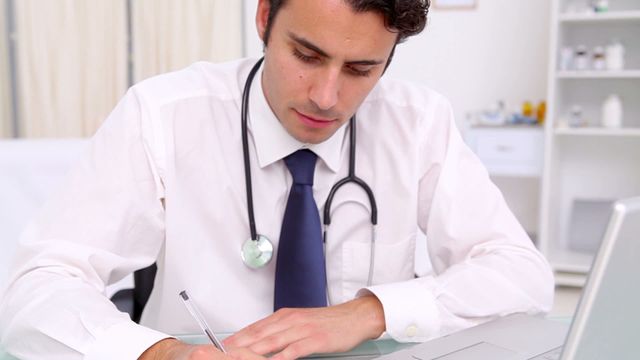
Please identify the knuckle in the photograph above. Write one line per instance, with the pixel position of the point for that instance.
(269, 343)
(284, 312)
(261, 333)
(297, 316)
(253, 331)
(304, 348)
(295, 351)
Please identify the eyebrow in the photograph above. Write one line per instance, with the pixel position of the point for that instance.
(309, 45)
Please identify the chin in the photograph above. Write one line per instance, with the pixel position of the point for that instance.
(313, 137)
(310, 139)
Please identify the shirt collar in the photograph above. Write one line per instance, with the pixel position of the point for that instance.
(273, 142)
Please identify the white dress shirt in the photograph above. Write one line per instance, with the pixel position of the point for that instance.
(163, 181)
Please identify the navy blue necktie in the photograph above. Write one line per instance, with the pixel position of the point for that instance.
(300, 269)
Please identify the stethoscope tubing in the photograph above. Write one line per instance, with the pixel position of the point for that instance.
(245, 148)
(350, 178)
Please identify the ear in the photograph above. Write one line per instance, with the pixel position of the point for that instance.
(262, 16)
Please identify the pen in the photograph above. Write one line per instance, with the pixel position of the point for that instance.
(191, 306)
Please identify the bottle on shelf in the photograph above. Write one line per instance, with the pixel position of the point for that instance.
(579, 7)
(576, 117)
(612, 112)
(581, 59)
(615, 55)
(599, 61)
(527, 109)
(566, 58)
(600, 6)
(541, 112)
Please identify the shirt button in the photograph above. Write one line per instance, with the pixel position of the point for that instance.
(411, 331)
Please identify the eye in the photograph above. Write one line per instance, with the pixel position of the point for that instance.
(358, 72)
(305, 58)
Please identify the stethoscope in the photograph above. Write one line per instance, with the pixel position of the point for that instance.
(258, 250)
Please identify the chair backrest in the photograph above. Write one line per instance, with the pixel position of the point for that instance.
(143, 280)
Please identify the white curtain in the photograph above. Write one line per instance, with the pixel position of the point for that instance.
(171, 34)
(72, 64)
(6, 121)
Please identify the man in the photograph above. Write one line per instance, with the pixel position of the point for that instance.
(164, 181)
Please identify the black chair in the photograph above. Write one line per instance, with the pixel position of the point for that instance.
(133, 301)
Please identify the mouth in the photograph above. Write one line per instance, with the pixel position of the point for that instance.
(313, 122)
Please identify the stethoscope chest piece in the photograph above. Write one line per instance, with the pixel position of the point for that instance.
(257, 253)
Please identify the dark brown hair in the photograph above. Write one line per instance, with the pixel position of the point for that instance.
(405, 17)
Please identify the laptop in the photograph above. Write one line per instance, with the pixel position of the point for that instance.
(606, 324)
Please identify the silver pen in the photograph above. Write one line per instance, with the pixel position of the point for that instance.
(191, 306)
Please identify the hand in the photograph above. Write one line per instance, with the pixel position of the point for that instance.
(172, 349)
(294, 333)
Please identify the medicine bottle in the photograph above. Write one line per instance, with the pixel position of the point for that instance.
(612, 112)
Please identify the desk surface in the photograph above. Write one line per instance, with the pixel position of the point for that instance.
(369, 349)
(364, 351)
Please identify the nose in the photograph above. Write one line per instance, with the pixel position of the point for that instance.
(325, 89)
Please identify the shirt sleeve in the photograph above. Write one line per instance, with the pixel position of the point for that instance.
(107, 222)
(484, 264)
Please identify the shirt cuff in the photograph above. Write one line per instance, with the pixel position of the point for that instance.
(410, 309)
(124, 341)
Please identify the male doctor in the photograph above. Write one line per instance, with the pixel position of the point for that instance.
(164, 181)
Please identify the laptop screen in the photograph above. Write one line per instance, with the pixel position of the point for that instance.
(607, 323)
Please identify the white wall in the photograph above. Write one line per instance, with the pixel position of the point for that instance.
(475, 57)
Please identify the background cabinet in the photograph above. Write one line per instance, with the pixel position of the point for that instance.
(514, 151)
(588, 167)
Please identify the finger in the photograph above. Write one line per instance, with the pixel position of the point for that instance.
(302, 348)
(280, 340)
(255, 332)
(260, 329)
(244, 354)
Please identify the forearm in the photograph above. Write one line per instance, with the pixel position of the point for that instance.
(466, 294)
(62, 315)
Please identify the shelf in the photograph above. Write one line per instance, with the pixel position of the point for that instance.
(523, 127)
(570, 262)
(631, 15)
(576, 156)
(603, 74)
(570, 279)
(595, 131)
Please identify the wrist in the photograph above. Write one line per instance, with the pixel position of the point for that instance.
(371, 313)
(162, 349)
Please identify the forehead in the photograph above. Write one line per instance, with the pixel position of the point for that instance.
(334, 26)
